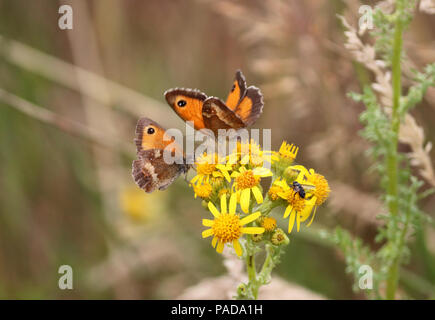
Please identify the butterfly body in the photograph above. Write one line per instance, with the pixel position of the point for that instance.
(241, 109)
(150, 171)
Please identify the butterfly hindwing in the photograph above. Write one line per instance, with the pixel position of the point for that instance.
(187, 103)
(151, 172)
(251, 106)
(247, 103)
(237, 92)
(218, 116)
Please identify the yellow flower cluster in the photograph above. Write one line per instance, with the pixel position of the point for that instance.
(242, 174)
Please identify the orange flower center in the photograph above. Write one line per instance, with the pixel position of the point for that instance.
(322, 189)
(247, 180)
(203, 190)
(273, 192)
(269, 224)
(205, 168)
(295, 200)
(227, 227)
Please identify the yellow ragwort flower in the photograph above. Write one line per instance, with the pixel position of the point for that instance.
(286, 151)
(249, 153)
(321, 187)
(227, 227)
(298, 209)
(139, 206)
(274, 190)
(268, 223)
(210, 167)
(202, 190)
(320, 191)
(247, 180)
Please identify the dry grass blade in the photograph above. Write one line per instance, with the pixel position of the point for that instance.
(65, 124)
(60, 72)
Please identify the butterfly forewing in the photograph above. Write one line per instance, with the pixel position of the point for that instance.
(187, 103)
(150, 171)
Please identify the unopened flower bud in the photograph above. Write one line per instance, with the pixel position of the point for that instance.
(241, 289)
(257, 237)
(290, 174)
(279, 237)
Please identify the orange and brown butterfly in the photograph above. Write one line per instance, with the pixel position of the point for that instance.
(242, 108)
(150, 171)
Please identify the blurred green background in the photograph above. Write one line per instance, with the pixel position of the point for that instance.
(66, 192)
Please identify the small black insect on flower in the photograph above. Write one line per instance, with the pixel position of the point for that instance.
(298, 189)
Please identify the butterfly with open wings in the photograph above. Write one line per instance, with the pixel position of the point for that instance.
(242, 108)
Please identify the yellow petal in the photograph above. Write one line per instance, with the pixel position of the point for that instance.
(207, 233)
(300, 168)
(250, 218)
(262, 172)
(298, 221)
(306, 212)
(224, 203)
(245, 199)
(282, 195)
(288, 210)
(281, 183)
(291, 221)
(252, 230)
(235, 174)
(233, 203)
(227, 175)
(257, 194)
(232, 158)
(312, 218)
(216, 174)
(213, 242)
(213, 209)
(220, 247)
(237, 247)
(194, 179)
(207, 222)
(245, 159)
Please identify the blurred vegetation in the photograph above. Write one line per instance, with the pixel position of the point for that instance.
(63, 196)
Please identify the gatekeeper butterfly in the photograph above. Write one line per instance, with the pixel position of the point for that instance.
(241, 109)
(150, 171)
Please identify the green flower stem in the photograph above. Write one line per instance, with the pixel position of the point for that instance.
(256, 281)
(266, 207)
(392, 158)
(268, 265)
(252, 275)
